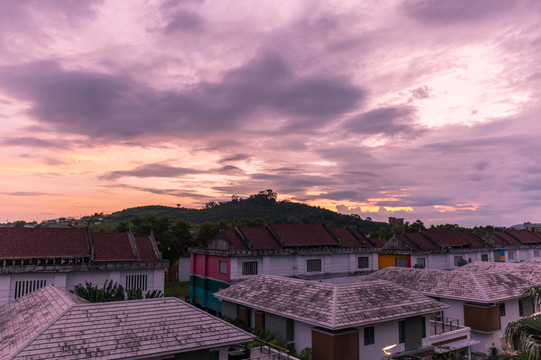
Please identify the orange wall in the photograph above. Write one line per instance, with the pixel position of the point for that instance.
(386, 260)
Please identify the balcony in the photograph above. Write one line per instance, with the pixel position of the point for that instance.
(440, 327)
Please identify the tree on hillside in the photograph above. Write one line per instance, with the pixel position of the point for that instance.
(207, 231)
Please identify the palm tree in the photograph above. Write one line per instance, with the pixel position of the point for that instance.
(525, 333)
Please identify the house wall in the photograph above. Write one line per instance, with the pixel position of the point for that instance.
(184, 268)
(68, 280)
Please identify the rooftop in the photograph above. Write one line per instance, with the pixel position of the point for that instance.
(327, 305)
(50, 323)
(482, 287)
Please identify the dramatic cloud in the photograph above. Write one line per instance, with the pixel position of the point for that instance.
(423, 109)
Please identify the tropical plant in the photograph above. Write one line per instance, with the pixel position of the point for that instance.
(111, 291)
(525, 335)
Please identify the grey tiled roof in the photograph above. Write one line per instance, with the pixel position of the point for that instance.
(483, 287)
(72, 329)
(529, 270)
(23, 319)
(327, 305)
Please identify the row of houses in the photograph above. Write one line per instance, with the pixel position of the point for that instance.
(405, 313)
(338, 255)
(31, 258)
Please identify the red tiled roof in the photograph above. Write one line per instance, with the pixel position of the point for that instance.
(260, 238)
(303, 235)
(419, 241)
(347, 239)
(43, 242)
(376, 241)
(146, 250)
(235, 240)
(502, 238)
(527, 237)
(448, 238)
(112, 246)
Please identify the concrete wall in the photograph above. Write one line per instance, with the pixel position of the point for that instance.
(68, 280)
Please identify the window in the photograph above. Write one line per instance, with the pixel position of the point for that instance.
(369, 338)
(400, 262)
(24, 287)
(511, 255)
(502, 309)
(520, 308)
(421, 262)
(484, 257)
(134, 282)
(401, 331)
(536, 253)
(249, 268)
(423, 327)
(313, 265)
(458, 260)
(362, 262)
(223, 267)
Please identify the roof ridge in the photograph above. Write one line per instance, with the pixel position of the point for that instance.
(334, 305)
(23, 346)
(478, 285)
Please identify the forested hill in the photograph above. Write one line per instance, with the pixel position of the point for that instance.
(261, 205)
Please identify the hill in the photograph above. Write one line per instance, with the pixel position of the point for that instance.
(256, 206)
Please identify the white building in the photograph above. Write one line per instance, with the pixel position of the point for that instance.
(484, 301)
(343, 322)
(31, 258)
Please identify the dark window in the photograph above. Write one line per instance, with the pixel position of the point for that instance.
(249, 268)
(401, 262)
(423, 327)
(484, 257)
(134, 282)
(520, 308)
(313, 265)
(502, 309)
(511, 255)
(223, 267)
(421, 262)
(369, 338)
(362, 262)
(24, 287)
(458, 259)
(401, 331)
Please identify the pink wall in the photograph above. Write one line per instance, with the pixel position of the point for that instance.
(209, 266)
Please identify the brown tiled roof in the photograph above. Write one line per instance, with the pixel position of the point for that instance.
(327, 305)
(303, 235)
(348, 239)
(235, 240)
(260, 238)
(483, 287)
(502, 239)
(420, 241)
(146, 250)
(450, 238)
(112, 247)
(525, 236)
(43, 242)
(53, 324)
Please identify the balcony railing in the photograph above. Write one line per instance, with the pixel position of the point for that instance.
(440, 327)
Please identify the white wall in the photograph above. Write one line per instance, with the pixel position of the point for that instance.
(302, 334)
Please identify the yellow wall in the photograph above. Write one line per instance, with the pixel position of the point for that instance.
(386, 260)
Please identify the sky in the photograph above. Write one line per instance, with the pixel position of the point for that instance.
(421, 109)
